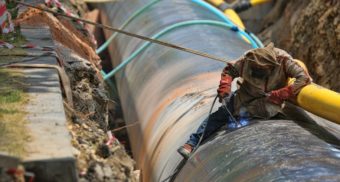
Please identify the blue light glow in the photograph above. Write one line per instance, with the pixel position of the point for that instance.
(244, 122)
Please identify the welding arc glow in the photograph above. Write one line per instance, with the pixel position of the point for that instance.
(241, 123)
(244, 122)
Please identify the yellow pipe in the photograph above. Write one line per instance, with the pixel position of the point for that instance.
(257, 2)
(319, 100)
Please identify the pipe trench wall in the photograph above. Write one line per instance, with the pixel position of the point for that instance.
(168, 92)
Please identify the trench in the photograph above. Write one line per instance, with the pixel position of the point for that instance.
(170, 98)
(116, 119)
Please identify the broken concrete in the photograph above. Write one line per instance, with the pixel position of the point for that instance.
(50, 154)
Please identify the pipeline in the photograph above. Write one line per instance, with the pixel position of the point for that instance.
(169, 93)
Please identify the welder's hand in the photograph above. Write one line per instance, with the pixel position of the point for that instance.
(280, 95)
(224, 88)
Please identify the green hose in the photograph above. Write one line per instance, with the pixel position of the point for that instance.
(137, 13)
(158, 35)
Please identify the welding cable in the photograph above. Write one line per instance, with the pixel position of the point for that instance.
(171, 28)
(174, 174)
(201, 138)
(135, 14)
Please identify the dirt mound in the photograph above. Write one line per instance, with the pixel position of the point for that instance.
(63, 33)
(97, 159)
(310, 31)
(88, 91)
(88, 123)
(316, 41)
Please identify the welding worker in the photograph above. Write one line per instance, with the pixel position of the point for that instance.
(264, 73)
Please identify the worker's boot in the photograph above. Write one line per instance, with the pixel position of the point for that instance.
(185, 150)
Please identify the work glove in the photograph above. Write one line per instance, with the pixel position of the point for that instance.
(280, 95)
(224, 88)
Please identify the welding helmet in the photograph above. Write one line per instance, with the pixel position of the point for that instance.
(262, 61)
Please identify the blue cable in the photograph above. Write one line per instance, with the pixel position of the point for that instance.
(257, 40)
(255, 44)
(164, 31)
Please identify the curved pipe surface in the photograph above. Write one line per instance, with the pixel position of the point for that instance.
(170, 92)
(276, 150)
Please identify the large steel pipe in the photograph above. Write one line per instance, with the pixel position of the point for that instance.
(169, 92)
(276, 150)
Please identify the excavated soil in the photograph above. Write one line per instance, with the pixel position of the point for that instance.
(316, 41)
(62, 32)
(88, 123)
(310, 31)
(88, 118)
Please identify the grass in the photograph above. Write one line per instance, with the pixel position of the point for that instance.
(15, 38)
(13, 134)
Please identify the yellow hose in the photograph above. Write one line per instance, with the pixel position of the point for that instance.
(233, 16)
(257, 2)
(319, 100)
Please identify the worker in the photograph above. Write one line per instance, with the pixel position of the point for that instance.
(264, 73)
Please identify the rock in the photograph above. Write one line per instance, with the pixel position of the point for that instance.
(75, 151)
(99, 173)
(76, 119)
(107, 171)
(103, 151)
